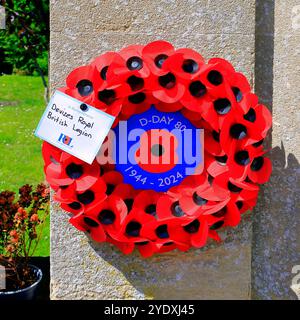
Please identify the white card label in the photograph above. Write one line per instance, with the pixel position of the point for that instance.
(74, 127)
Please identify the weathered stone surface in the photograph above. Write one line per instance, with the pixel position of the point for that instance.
(276, 238)
(81, 30)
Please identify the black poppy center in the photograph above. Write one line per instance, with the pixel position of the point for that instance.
(222, 106)
(258, 144)
(190, 66)
(216, 136)
(167, 81)
(210, 179)
(217, 225)
(135, 83)
(257, 164)
(129, 204)
(103, 73)
(239, 204)
(237, 93)
(75, 205)
(106, 217)
(215, 77)
(221, 159)
(134, 63)
(238, 131)
(242, 158)
(142, 243)
(220, 213)
(86, 197)
(74, 171)
(250, 115)
(198, 200)
(133, 229)
(176, 209)
(110, 188)
(137, 98)
(84, 87)
(162, 231)
(192, 227)
(197, 89)
(151, 209)
(90, 222)
(107, 96)
(233, 188)
(159, 60)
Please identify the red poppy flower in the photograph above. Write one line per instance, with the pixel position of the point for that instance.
(165, 232)
(131, 63)
(131, 229)
(83, 83)
(239, 161)
(146, 201)
(260, 170)
(167, 87)
(112, 179)
(243, 130)
(125, 247)
(196, 231)
(110, 213)
(155, 54)
(239, 190)
(146, 248)
(89, 224)
(102, 64)
(185, 63)
(136, 103)
(241, 90)
(215, 165)
(71, 170)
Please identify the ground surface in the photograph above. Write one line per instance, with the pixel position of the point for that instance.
(21, 106)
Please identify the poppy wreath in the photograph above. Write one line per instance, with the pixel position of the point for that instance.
(212, 96)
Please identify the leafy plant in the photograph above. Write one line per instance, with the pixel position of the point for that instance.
(19, 232)
(25, 41)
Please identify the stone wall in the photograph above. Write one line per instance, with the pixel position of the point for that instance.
(237, 31)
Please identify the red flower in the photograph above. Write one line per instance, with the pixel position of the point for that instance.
(89, 224)
(71, 169)
(243, 130)
(155, 54)
(146, 248)
(112, 179)
(125, 247)
(239, 161)
(76, 202)
(165, 232)
(83, 83)
(196, 231)
(260, 170)
(146, 201)
(110, 214)
(131, 229)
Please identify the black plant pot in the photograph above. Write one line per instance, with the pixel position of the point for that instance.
(28, 293)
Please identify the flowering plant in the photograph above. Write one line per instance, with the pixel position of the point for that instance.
(21, 225)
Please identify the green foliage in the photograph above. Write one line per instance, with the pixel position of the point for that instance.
(21, 106)
(25, 40)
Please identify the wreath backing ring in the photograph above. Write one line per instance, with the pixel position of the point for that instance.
(212, 96)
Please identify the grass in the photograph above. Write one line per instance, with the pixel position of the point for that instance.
(21, 107)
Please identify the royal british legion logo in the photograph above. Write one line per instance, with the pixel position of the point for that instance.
(65, 139)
